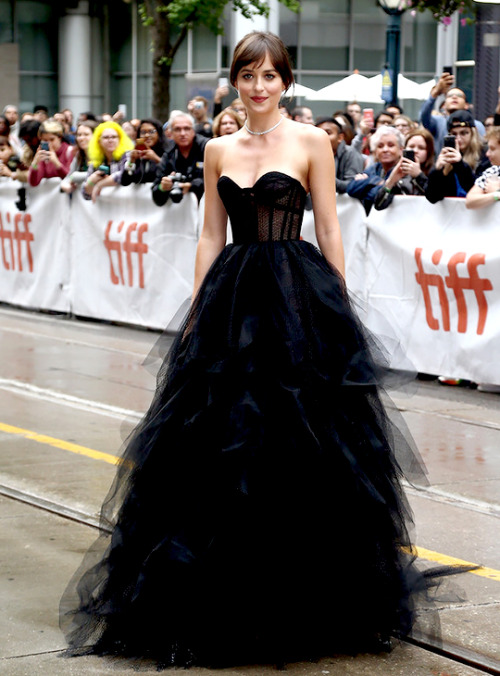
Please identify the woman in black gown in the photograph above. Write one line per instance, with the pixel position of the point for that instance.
(261, 493)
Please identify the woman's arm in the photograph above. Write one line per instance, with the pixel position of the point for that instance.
(478, 197)
(213, 234)
(321, 182)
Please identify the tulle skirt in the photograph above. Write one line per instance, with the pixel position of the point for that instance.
(258, 513)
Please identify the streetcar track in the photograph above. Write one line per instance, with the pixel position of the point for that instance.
(457, 654)
(452, 652)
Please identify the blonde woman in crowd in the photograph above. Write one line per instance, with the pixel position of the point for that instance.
(108, 152)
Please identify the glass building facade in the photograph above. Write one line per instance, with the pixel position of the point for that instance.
(327, 40)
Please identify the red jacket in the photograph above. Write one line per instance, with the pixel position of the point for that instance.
(48, 170)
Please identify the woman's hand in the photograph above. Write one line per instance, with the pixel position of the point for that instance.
(395, 175)
(447, 157)
(4, 170)
(492, 184)
(150, 154)
(360, 177)
(40, 156)
(52, 157)
(410, 168)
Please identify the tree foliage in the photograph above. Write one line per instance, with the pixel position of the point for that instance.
(169, 23)
(442, 10)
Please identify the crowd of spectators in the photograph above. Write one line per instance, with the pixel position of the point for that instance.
(445, 153)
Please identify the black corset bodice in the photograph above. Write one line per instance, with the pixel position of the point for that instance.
(271, 210)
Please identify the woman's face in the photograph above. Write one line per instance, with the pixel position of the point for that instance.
(419, 147)
(388, 151)
(83, 136)
(227, 125)
(463, 136)
(493, 152)
(403, 126)
(149, 134)
(109, 142)
(53, 140)
(260, 87)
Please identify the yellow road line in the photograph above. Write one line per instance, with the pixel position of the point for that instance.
(436, 557)
(59, 443)
(421, 552)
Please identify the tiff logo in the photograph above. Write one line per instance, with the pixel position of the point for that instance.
(472, 281)
(116, 248)
(14, 241)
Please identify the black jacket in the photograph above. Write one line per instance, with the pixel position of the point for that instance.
(191, 167)
(441, 186)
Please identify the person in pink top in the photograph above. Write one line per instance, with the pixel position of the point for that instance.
(53, 157)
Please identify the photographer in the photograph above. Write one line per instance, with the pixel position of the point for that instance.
(185, 157)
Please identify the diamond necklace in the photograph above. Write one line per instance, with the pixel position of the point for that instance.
(261, 133)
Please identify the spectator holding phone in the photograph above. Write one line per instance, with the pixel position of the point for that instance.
(53, 156)
(410, 175)
(198, 108)
(453, 175)
(144, 159)
(80, 164)
(454, 100)
(108, 153)
(387, 145)
(486, 189)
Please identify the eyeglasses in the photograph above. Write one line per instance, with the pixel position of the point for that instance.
(457, 95)
(150, 132)
(110, 138)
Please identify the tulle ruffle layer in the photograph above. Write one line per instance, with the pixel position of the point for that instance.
(257, 514)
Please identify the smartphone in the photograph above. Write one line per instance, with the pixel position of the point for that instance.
(368, 116)
(140, 144)
(449, 141)
(44, 145)
(104, 169)
(223, 82)
(448, 69)
(409, 154)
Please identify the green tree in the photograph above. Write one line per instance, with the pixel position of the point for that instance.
(169, 23)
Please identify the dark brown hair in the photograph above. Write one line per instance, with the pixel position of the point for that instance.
(254, 47)
(429, 142)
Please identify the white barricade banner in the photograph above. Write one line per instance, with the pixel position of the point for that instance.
(133, 262)
(434, 274)
(35, 249)
(352, 218)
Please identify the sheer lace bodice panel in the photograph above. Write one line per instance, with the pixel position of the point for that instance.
(271, 210)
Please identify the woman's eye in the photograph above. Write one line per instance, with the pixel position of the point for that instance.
(270, 76)
(247, 76)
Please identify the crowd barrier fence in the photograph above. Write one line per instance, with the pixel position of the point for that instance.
(429, 272)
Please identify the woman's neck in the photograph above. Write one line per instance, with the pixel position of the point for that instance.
(261, 124)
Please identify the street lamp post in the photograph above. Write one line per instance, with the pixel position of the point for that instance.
(393, 33)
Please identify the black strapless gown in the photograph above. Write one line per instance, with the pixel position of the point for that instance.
(258, 514)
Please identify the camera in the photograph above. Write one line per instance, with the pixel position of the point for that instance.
(409, 154)
(44, 145)
(449, 141)
(198, 105)
(176, 193)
